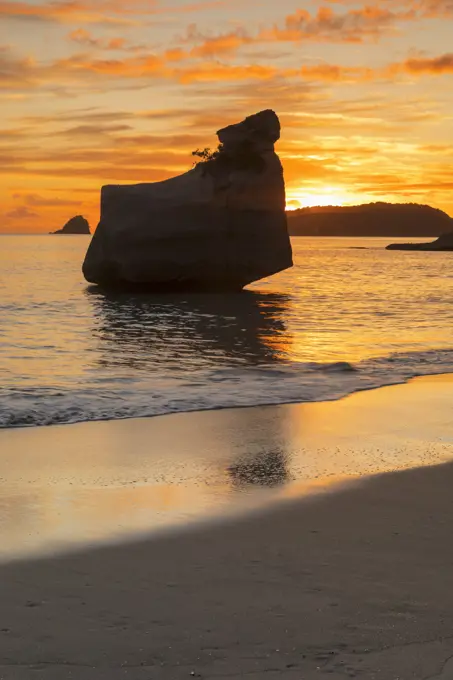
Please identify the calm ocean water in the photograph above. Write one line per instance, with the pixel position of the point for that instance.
(343, 319)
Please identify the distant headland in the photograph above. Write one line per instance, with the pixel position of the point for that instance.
(372, 219)
(76, 225)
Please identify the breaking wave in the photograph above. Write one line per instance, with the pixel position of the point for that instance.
(214, 389)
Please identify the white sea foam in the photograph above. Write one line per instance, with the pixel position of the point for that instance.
(222, 388)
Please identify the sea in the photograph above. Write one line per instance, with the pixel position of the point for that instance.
(348, 316)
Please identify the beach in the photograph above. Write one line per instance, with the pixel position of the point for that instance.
(226, 354)
(353, 580)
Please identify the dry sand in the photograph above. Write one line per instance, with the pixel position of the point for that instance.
(357, 583)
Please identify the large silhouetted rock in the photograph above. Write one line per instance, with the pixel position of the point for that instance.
(444, 242)
(76, 225)
(219, 226)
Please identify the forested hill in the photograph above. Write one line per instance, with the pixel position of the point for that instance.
(372, 219)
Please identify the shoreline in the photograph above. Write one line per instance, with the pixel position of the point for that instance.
(236, 407)
(113, 482)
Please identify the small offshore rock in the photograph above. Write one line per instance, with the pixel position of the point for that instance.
(76, 225)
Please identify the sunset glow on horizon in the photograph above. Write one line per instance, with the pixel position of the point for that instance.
(300, 198)
(98, 92)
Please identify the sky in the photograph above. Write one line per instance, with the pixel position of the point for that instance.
(98, 92)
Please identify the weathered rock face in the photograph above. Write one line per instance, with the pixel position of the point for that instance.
(444, 242)
(219, 226)
(76, 225)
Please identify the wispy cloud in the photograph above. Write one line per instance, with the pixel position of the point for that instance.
(326, 25)
(119, 12)
(440, 65)
(37, 201)
(416, 9)
(26, 74)
(354, 26)
(21, 213)
(82, 36)
(99, 11)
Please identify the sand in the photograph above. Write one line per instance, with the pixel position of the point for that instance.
(355, 583)
(62, 487)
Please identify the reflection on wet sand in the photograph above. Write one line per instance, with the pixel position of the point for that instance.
(266, 469)
(266, 462)
(68, 486)
(192, 331)
(93, 482)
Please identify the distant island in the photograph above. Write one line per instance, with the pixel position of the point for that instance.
(372, 219)
(76, 225)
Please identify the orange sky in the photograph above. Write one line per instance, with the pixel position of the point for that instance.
(117, 91)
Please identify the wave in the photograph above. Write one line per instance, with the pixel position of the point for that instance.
(215, 389)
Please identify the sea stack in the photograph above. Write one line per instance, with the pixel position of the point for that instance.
(76, 225)
(218, 227)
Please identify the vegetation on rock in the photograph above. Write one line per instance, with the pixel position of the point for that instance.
(244, 157)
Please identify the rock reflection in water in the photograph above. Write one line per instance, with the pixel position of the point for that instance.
(191, 331)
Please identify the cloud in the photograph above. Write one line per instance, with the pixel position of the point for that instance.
(211, 46)
(85, 115)
(13, 134)
(83, 37)
(21, 213)
(124, 157)
(20, 74)
(214, 72)
(333, 72)
(84, 73)
(68, 11)
(119, 12)
(8, 158)
(35, 200)
(353, 26)
(103, 174)
(431, 9)
(416, 9)
(437, 149)
(95, 116)
(92, 130)
(16, 73)
(436, 8)
(440, 65)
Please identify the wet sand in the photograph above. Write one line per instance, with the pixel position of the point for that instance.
(355, 583)
(71, 486)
